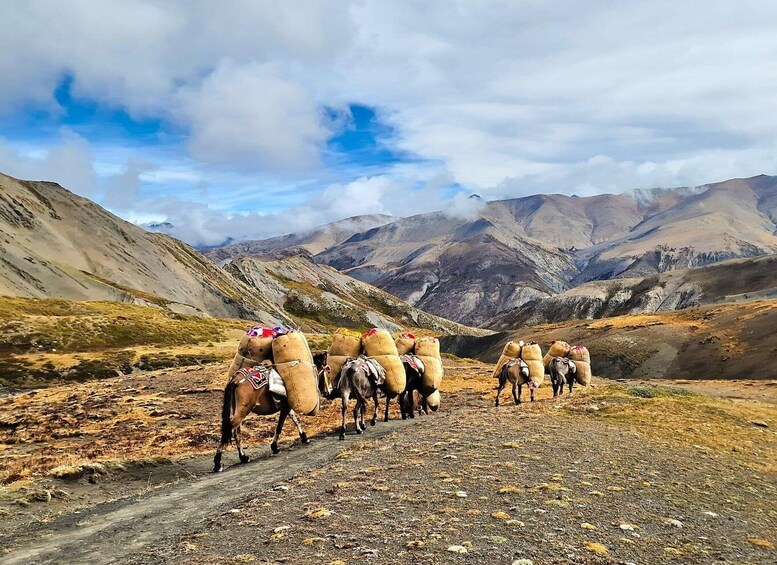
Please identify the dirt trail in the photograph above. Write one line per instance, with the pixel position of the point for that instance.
(115, 530)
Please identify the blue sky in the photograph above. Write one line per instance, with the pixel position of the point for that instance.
(260, 118)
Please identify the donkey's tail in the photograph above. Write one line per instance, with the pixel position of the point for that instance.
(227, 409)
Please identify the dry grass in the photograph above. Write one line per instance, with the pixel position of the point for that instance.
(175, 413)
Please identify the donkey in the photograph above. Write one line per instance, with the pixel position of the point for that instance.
(321, 361)
(562, 370)
(517, 372)
(240, 399)
(360, 378)
(414, 372)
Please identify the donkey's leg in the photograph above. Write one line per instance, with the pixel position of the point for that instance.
(285, 409)
(531, 391)
(344, 398)
(411, 409)
(244, 458)
(385, 415)
(356, 410)
(401, 400)
(502, 383)
(520, 390)
(303, 437)
(374, 418)
(515, 398)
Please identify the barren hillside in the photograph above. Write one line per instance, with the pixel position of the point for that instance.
(727, 341)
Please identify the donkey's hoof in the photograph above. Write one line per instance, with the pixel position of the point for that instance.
(373, 422)
(359, 431)
(245, 458)
(274, 448)
(304, 439)
(342, 437)
(218, 469)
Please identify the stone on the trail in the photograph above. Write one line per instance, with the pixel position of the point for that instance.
(523, 562)
(587, 526)
(594, 547)
(711, 514)
(675, 523)
(457, 549)
(461, 494)
(760, 542)
(499, 515)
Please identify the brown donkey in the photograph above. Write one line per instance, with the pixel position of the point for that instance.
(241, 398)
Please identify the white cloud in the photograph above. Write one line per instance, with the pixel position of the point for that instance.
(522, 97)
(248, 113)
(69, 161)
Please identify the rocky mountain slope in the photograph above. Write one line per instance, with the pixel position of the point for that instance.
(724, 341)
(57, 244)
(735, 218)
(518, 251)
(54, 243)
(735, 280)
(323, 297)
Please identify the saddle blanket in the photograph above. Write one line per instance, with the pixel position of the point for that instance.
(414, 361)
(263, 375)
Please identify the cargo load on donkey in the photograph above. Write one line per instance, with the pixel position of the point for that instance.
(428, 350)
(273, 372)
(379, 345)
(345, 344)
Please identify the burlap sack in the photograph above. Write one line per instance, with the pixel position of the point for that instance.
(512, 349)
(559, 349)
(536, 371)
(294, 362)
(405, 343)
(583, 373)
(335, 363)
(257, 348)
(427, 346)
(433, 401)
(432, 376)
(503, 359)
(531, 352)
(345, 345)
(379, 342)
(547, 359)
(395, 373)
(239, 362)
(580, 353)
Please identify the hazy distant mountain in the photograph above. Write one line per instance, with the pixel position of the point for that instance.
(312, 241)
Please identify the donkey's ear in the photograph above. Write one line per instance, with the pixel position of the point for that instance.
(572, 367)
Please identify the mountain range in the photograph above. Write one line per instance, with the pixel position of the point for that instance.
(521, 251)
(54, 243)
(535, 259)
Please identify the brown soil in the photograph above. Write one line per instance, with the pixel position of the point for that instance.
(612, 465)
